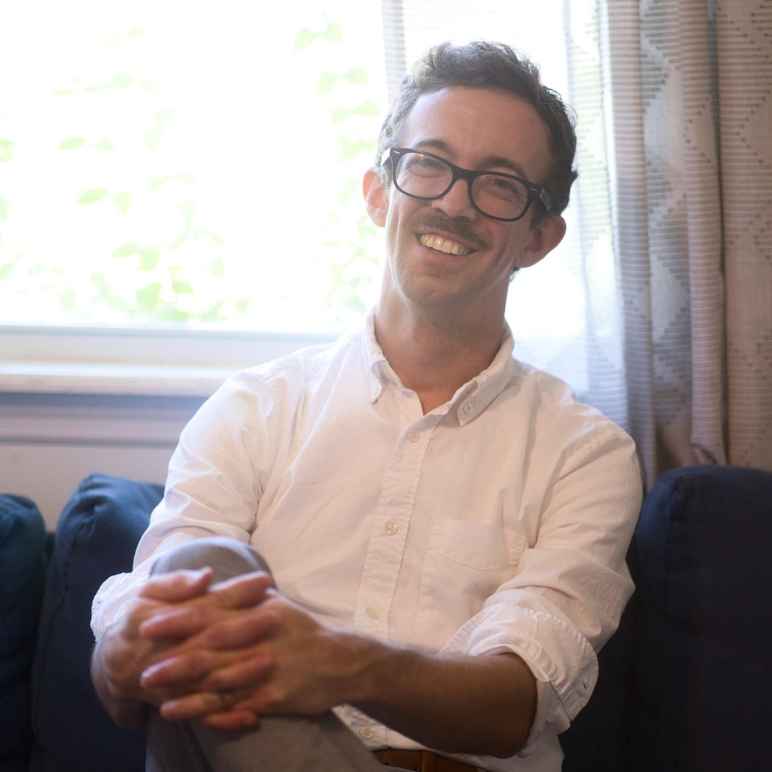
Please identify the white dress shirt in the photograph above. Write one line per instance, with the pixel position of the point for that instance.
(498, 522)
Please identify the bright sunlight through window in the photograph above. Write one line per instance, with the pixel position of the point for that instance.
(199, 165)
(195, 163)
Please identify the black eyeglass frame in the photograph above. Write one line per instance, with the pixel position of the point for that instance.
(535, 192)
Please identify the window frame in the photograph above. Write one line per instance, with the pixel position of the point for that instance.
(149, 361)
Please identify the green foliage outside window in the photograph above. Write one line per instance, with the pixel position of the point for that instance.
(104, 220)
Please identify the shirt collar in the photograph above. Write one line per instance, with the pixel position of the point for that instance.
(379, 371)
(475, 395)
(469, 400)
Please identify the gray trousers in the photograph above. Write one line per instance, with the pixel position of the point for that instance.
(280, 744)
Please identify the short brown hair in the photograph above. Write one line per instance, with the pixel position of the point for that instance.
(484, 64)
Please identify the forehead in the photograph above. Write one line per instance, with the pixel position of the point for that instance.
(477, 124)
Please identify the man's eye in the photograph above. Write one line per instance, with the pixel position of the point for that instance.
(503, 187)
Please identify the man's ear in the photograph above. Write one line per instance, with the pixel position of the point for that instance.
(376, 196)
(543, 238)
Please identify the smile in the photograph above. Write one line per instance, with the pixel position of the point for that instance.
(443, 245)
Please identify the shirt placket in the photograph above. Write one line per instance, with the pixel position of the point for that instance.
(387, 544)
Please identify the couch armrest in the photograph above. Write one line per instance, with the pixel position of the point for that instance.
(22, 576)
(703, 570)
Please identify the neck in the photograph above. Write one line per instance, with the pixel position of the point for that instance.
(434, 356)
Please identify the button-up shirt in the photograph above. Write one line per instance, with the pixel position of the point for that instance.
(497, 522)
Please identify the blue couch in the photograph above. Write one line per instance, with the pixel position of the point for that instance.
(683, 684)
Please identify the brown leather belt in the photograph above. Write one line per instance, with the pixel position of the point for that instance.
(422, 761)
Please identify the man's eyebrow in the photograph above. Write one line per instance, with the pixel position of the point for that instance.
(489, 162)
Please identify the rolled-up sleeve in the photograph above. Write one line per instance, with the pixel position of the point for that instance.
(572, 584)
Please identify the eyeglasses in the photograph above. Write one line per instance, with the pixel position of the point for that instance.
(427, 177)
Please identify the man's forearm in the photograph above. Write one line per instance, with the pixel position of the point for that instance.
(462, 704)
(294, 665)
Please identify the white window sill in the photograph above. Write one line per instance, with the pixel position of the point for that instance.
(125, 380)
(132, 362)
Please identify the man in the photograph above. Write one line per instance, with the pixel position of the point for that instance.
(446, 527)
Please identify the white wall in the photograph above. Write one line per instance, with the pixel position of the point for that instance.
(49, 442)
(79, 400)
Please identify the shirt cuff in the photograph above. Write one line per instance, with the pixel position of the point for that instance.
(560, 658)
(109, 603)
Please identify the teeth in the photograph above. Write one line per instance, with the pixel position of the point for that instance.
(443, 245)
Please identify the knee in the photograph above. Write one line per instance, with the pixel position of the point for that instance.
(227, 557)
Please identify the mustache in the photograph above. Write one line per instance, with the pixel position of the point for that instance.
(453, 226)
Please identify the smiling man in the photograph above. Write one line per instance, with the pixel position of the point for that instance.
(462, 210)
(446, 527)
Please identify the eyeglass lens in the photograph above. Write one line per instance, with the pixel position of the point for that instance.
(424, 176)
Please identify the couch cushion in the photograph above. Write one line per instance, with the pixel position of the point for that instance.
(22, 576)
(96, 537)
(703, 574)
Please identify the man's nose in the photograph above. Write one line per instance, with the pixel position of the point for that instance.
(457, 201)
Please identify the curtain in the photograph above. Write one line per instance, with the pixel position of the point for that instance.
(691, 98)
(670, 262)
(744, 74)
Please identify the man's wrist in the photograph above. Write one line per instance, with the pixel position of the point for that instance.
(374, 668)
(128, 713)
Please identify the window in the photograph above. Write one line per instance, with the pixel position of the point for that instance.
(174, 172)
(189, 163)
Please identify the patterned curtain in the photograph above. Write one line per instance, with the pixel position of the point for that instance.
(691, 93)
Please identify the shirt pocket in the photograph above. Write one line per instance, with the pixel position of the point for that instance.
(466, 561)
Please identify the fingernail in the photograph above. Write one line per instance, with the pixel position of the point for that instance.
(148, 675)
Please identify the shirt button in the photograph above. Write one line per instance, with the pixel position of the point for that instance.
(392, 528)
(413, 438)
(373, 613)
(467, 408)
(367, 733)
